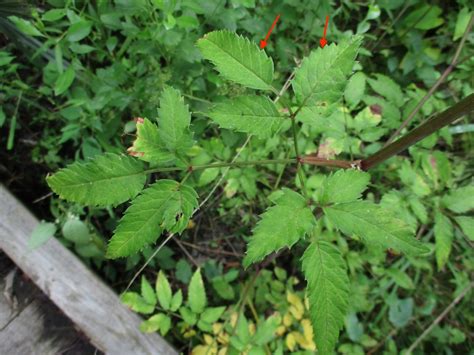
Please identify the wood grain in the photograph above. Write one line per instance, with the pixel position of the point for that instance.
(30, 323)
(87, 301)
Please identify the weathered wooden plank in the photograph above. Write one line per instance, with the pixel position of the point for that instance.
(30, 323)
(30, 332)
(88, 302)
(25, 334)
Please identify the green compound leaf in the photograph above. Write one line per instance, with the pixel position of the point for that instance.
(444, 234)
(255, 115)
(281, 226)
(375, 225)
(327, 291)
(238, 59)
(107, 179)
(197, 293)
(147, 146)
(173, 121)
(165, 205)
(322, 77)
(344, 186)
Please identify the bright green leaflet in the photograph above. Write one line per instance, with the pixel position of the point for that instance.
(147, 291)
(108, 179)
(281, 226)
(328, 292)
(255, 115)
(165, 205)
(375, 226)
(197, 293)
(322, 77)
(163, 291)
(173, 121)
(176, 301)
(238, 59)
(344, 186)
(147, 146)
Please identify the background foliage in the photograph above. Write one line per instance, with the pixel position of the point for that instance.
(74, 74)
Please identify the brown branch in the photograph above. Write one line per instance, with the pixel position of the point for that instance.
(180, 245)
(344, 164)
(459, 109)
(430, 126)
(441, 79)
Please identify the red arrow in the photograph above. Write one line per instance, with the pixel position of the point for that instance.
(323, 41)
(263, 42)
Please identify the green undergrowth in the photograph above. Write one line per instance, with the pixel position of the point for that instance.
(116, 88)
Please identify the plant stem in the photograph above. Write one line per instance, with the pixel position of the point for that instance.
(295, 138)
(221, 165)
(197, 99)
(299, 170)
(461, 108)
(440, 318)
(188, 174)
(344, 164)
(244, 163)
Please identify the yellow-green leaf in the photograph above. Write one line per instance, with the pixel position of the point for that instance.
(196, 293)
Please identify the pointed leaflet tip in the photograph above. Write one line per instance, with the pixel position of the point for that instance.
(322, 42)
(263, 44)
